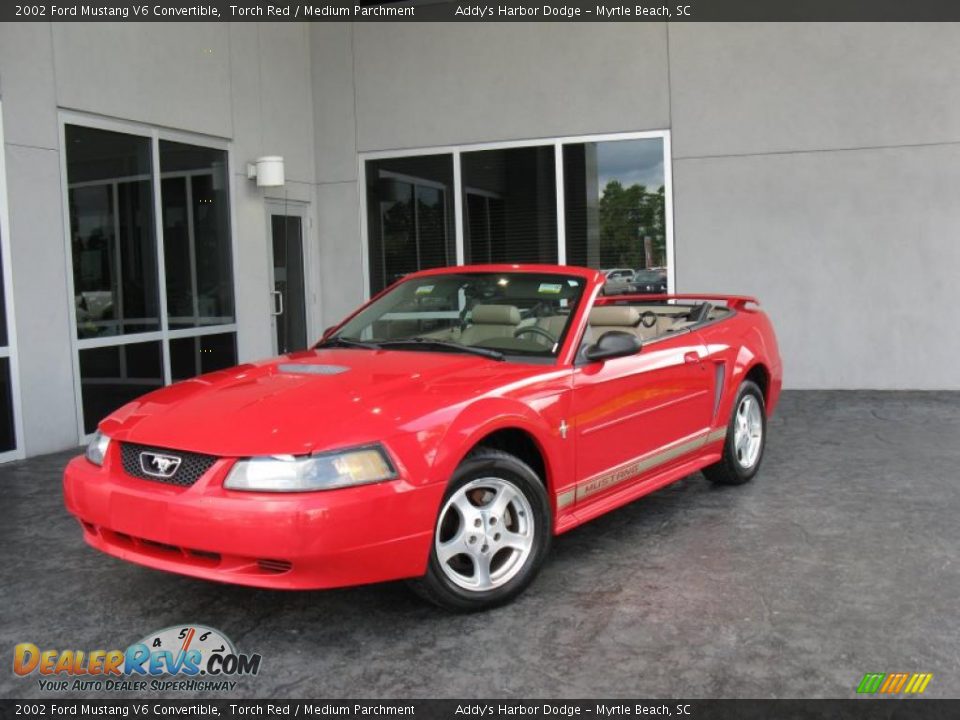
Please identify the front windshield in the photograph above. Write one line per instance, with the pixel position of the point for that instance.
(513, 313)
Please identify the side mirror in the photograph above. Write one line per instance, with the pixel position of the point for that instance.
(613, 344)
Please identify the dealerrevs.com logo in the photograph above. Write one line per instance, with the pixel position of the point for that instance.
(182, 657)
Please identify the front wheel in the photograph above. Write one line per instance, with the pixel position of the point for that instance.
(492, 534)
(746, 439)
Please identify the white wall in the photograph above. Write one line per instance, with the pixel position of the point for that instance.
(446, 83)
(818, 166)
(32, 143)
(246, 82)
(335, 138)
(813, 163)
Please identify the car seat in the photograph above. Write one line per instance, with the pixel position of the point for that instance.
(490, 321)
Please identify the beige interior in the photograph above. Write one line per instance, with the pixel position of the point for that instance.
(490, 321)
(626, 318)
(503, 321)
(553, 324)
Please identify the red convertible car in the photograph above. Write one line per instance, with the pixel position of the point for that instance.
(443, 433)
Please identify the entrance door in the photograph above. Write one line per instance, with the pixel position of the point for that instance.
(289, 307)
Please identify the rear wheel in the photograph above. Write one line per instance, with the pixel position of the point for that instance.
(492, 534)
(746, 439)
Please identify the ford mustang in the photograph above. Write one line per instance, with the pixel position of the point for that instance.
(443, 433)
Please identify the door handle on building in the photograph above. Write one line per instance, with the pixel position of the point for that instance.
(277, 302)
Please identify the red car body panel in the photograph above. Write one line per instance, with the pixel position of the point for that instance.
(608, 433)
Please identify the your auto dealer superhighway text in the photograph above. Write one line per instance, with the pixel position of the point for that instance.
(548, 709)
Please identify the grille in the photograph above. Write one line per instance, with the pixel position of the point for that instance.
(274, 567)
(192, 465)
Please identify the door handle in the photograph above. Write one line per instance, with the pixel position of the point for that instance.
(691, 358)
(277, 302)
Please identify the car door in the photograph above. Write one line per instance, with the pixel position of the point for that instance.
(634, 415)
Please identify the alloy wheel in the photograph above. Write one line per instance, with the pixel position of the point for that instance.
(748, 432)
(485, 534)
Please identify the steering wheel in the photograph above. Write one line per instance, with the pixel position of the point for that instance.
(536, 330)
(648, 319)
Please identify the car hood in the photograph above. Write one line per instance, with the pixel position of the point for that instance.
(312, 401)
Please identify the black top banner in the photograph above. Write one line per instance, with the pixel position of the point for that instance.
(480, 11)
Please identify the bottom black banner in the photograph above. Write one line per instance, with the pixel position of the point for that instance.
(865, 709)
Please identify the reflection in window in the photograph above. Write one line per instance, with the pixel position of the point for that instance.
(3, 306)
(510, 205)
(112, 232)
(193, 356)
(410, 216)
(614, 198)
(8, 435)
(484, 219)
(113, 376)
(196, 235)
(113, 204)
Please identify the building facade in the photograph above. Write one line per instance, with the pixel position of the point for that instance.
(815, 166)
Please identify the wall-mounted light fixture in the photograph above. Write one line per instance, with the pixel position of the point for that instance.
(267, 171)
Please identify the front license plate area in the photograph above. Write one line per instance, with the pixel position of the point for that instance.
(139, 517)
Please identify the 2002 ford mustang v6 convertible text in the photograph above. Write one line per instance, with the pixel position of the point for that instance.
(444, 432)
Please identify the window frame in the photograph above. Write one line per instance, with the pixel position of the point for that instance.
(10, 351)
(164, 335)
(458, 188)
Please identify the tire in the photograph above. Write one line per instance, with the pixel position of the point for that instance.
(496, 512)
(739, 465)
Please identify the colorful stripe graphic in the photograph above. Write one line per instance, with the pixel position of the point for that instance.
(894, 683)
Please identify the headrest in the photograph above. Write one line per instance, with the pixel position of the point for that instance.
(496, 315)
(615, 316)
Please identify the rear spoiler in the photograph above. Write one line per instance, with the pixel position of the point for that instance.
(734, 302)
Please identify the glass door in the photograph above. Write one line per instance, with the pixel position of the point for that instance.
(8, 434)
(10, 430)
(289, 306)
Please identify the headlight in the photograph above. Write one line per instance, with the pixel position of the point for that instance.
(97, 449)
(289, 473)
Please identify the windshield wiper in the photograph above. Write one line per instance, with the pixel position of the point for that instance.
(417, 342)
(340, 341)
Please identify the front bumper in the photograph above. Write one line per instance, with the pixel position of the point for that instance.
(324, 539)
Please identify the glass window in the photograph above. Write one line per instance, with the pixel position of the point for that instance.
(113, 376)
(615, 211)
(409, 216)
(113, 203)
(110, 197)
(510, 205)
(8, 435)
(196, 235)
(511, 314)
(197, 355)
(3, 305)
